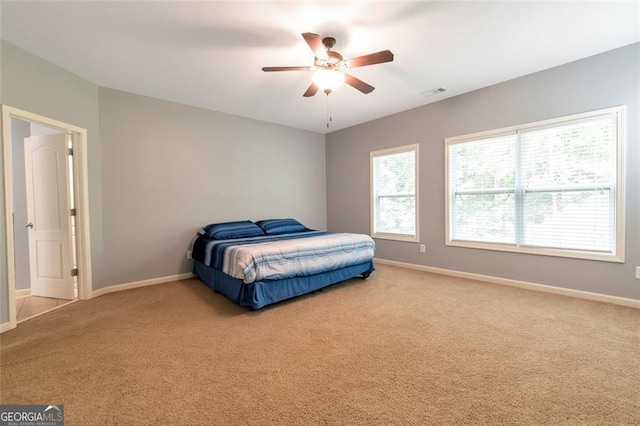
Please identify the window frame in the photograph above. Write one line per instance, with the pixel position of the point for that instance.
(389, 235)
(618, 192)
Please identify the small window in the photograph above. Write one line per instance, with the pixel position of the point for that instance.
(551, 188)
(394, 189)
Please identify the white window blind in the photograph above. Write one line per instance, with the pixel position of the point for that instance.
(483, 175)
(550, 187)
(394, 189)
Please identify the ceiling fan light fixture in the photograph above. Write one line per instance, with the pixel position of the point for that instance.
(327, 80)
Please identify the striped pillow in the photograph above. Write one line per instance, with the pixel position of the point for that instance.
(280, 226)
(228, 230)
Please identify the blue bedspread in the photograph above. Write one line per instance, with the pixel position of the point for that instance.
(284, 256)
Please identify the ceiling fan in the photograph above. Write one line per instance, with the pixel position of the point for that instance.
(329, 66)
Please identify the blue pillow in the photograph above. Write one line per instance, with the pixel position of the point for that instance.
(228, 230)
(280, 226)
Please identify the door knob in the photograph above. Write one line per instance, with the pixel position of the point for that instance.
(28, 225)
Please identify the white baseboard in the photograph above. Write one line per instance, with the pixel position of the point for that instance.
(633, 303)
(5, 326)
(23, 292)
(145, 283)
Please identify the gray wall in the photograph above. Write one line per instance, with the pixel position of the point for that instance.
(159, 170)
(19, 131)
(32, 84)
(605, 80)
(169, 169)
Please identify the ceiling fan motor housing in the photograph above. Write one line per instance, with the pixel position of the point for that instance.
(334, 59)
(328, 42)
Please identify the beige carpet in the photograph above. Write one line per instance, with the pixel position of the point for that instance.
(402, 348)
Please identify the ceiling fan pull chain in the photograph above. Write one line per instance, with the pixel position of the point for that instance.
(328, 112)
(329, 116)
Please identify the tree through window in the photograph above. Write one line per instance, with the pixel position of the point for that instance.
(394, 193)
(552, 187)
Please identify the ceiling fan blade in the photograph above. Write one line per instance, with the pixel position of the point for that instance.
(358, 84)
(312, 90)
(371, 59)
(315, 43)
(271, 69)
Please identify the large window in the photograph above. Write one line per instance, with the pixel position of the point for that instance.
(394, 189)
(552, 187)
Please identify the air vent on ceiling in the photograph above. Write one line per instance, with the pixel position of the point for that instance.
(432, 92)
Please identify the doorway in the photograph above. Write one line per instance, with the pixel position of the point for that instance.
(43, 223)
(48, 249)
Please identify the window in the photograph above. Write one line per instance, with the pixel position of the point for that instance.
(394, 189)
(553, 187)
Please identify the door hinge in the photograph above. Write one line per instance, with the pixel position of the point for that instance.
(72, 212)
(74, 272)
(70, 151)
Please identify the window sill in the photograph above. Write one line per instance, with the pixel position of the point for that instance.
(571, 254)
(395, 237)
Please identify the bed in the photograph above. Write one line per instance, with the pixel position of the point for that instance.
(255, 264)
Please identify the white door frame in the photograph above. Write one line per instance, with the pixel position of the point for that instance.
(81, 195)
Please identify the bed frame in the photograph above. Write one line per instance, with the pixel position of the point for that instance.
(261, 293)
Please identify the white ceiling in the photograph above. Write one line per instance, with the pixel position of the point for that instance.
(210, 53)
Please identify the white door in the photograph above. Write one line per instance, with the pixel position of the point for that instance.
(47, 178)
